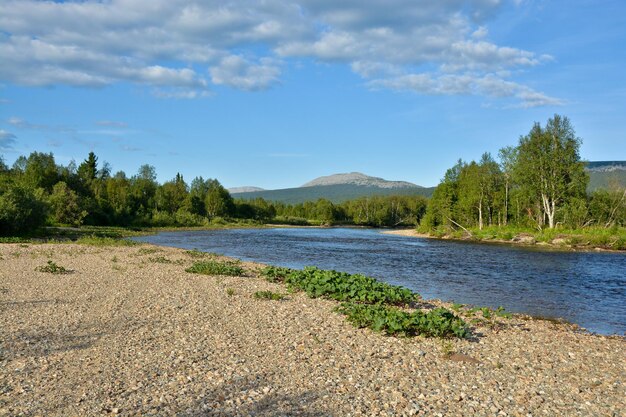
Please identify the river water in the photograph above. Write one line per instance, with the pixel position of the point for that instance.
(586, 288)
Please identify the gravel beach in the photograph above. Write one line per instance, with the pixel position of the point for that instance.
(128, 332)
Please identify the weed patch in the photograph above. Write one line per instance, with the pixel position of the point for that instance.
(395, 322)
(53, 268)
(229, 268)
(268, 295)
(342, 286)
(104, 241)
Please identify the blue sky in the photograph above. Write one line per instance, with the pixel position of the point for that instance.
(275, 93)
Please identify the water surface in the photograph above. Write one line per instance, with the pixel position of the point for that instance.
(586, 288)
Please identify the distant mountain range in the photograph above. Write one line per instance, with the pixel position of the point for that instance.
(604, 174)
(336, 188)
(238, 190)
(341, 187)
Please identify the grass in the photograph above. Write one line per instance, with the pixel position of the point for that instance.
(104, 241)
(163, 260)
(230, 292)
(229, 268)
(268, 295)
(53, 268)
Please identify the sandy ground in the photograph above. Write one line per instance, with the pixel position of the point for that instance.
(129, 333)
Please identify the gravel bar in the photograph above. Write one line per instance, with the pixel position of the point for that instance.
(128, 332)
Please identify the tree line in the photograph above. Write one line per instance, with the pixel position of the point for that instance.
(540, 183)
(36, 191)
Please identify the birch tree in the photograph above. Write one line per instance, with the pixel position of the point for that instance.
(549, 166)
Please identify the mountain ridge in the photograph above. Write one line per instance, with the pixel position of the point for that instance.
(358, 178)
(338, 188)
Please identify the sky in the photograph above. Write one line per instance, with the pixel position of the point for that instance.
(273, 93)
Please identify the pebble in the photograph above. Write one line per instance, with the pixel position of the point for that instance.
(153, 340)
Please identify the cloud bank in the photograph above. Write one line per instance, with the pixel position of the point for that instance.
(182, 48)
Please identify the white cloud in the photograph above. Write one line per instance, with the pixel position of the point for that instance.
(7, 139)
(169, 45)
(238, 72)
(111, 123)
(467, 84)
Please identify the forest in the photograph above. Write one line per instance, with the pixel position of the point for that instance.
(540, 183)
(37, 192)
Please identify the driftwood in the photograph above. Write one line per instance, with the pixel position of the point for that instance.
(466, 231)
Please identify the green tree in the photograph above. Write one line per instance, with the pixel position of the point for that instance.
(39, 171)
(21, 209)
(171, 195)
(65, 206)
(549, 166)
(218, 201)
(508, 160)
(444, 199)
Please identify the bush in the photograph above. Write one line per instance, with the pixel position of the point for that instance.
(21, 210)
(228, 268)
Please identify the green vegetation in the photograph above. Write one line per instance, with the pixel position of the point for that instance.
(230, 292)
(341, 286)
(395, 322)
(53, 268)
(370, 303)
(537, 187)
(336, 193)
(229, 268)
(534, 187)
(268, 295)
(104, 241)
(196, 254)
(275, 273)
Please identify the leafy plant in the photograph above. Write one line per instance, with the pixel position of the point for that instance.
(230, 268)
(268, 295)
(393, 321)
(230, 292)
(342, 286)
(275, 273)
(53, 268)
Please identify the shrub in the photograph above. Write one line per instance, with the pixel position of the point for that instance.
(229, 268)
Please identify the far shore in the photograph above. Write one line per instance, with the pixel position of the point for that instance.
(520, 240)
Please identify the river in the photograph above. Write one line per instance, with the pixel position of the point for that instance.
(586, 288)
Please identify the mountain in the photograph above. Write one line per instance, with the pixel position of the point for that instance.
(246, 189)
(338, 188)
(605, 174)
(356, 178)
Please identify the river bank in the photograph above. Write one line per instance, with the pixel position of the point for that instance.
(129, 332)
(560, 242)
